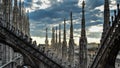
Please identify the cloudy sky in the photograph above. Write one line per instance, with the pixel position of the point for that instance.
(51, 13)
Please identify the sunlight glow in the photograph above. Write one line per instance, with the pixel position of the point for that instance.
(95, 29)
(40, 40)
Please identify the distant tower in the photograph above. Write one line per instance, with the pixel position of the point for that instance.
(60, 47)
(71, 44)
(64, 45)
(53, 38)
(83, 42)
(15, 15)
(106, 24)
(46, 40)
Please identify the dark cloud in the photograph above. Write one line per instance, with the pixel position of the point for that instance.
(42, 18)
(56, 11)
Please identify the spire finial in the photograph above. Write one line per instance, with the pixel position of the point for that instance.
(106, 15)
(59, 33)
(64, 30)
(46, 33)
(71, 43)
(53, 37)
(52, 32)
(20, 6)
(83, 4)
(83, 20)
(71, 26)
(115, 13)
(46, 41)
(112, 19)
(28, 13)
(56, 34)
(118, 7)
(64, 45)
(23, 4)
(83, 41)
